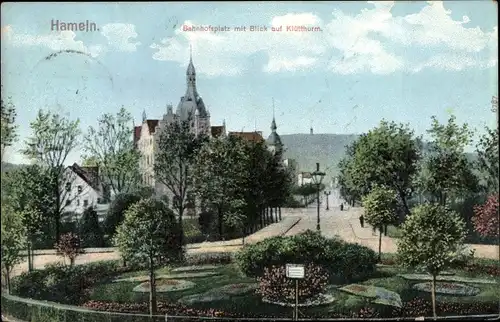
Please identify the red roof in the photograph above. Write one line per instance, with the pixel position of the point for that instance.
(88, 174)
(217, 130)
(249, 136)
(137, 133)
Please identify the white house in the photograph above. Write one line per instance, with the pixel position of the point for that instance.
(81, 189)
(304, 178)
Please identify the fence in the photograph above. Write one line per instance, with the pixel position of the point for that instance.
(43, 311)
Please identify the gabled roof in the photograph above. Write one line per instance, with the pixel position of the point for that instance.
(88, 174)
(249, 136)
(137, 133)
(217, 131)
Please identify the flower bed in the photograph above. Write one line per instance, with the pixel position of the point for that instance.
(376, 294)
(460, 279)
(166, 285)
(144, 278)
(321, 299)
(448, 289)
(492, 270)
(193, 268)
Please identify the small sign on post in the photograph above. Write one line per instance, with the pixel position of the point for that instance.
(296, 272)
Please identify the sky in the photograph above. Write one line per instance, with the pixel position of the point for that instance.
(360, 63)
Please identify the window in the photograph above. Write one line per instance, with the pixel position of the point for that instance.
(77, 202)
(68, 202)
(99, 201)
(148, 159)
(80, 189)
(68, 186)
(85, 203)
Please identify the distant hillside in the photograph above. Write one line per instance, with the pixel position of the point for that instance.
(5, 166)
(327, 149)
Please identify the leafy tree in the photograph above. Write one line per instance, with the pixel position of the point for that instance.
(90, 230)
(385, 156)
(90, 162)
(485, 218)
(348, 190)
(117, 209)
(432, 238)
(111, 147)
(205, 221)
(380, 207)
(8, 117)
(177, 148)
(69, 246)
(445, 171)
(220, 175)
(150, 234)
(28, 192)
(487, 151)
(13, 240)
(53, 138)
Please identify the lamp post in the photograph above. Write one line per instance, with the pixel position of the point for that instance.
(317, 177)
(327, 193)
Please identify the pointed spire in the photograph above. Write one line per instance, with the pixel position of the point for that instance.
(190, 53)
(273, 123)
(144, 117)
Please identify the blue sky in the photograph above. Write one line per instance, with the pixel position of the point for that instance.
(402, 61)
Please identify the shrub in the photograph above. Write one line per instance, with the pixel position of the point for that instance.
(275, 286)
(90, 230)
(69, 247)
(340, 259)
(63, 284)
(492, 270)
(209, 258)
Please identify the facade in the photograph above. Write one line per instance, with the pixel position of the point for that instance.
(81, 189)
(304, 178)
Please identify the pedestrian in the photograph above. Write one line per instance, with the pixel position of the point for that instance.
(341, 206)
(362, 221)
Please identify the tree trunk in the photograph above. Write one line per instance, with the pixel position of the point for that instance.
(152, 288)
(219, 219)
(30, 259)
(279, 212)
(385, 230)
(380, 244)
(7, 278)
(261, 218)
(433, 295)
(181, 235)
(72, 261)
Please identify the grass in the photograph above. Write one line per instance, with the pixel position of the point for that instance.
(345, 303)
(393, 231)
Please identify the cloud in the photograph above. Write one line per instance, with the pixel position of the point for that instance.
(373, 40)
(119, 36)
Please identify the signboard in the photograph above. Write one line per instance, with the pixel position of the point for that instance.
(295, 271)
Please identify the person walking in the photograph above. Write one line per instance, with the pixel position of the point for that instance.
(362, 221)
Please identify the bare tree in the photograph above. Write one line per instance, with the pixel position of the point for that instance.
(53, 138)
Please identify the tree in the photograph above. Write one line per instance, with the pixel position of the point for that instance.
(28, 191)
(117, 209)
(90, 230)
(385, 156)
(150, 234)
(90, 162)
(69, 246)
(13, 240)
(432, 238)
(445, 172)
(485, 218)
(53, 138)
(487, 151)
(111, 147)
(380, 207)
(8, 117)
(177, 149)
(220, 177)
(348, 190)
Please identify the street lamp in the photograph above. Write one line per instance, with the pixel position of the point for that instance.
(317, 177)
(327, 193)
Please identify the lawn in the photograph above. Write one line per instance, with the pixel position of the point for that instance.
(387, 277)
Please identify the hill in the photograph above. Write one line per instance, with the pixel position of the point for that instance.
(327, 149)
(5, 166)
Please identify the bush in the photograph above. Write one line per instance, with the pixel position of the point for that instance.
(342, 260)
(69, 246)
(63, 284)
(421, 307)
(209, 259)
(275, 286)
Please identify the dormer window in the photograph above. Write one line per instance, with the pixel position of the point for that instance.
(80, 189)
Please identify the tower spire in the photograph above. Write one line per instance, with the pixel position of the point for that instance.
(190, 53)
(273, 123)
(144, 117)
